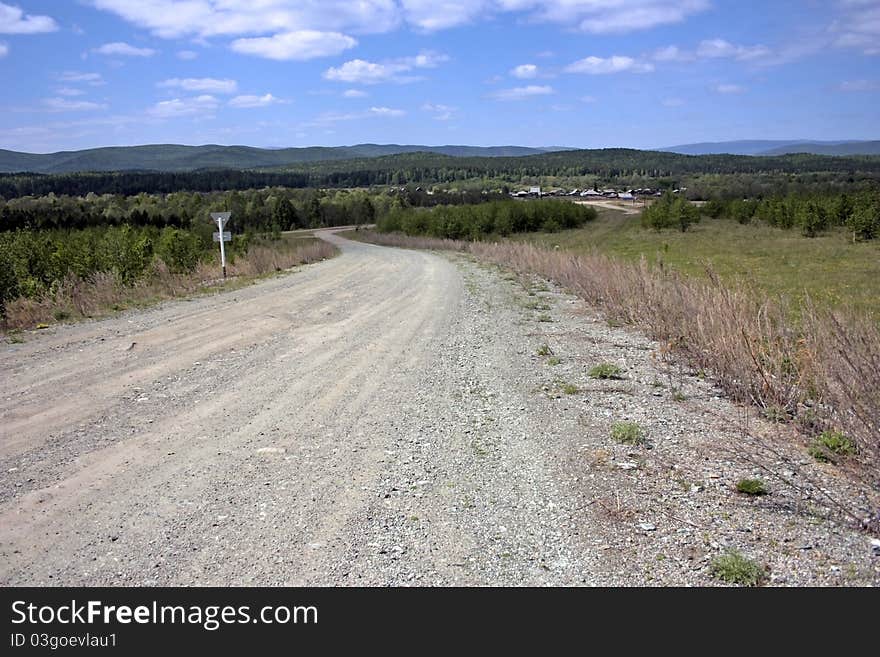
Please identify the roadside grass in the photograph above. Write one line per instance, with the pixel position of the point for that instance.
(830, 269)
(830, 446)
(750, 486)
(102, 294)
(734, 568)
(605, 371)
(628, 433)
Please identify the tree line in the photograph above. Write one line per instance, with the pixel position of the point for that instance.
(475, 222)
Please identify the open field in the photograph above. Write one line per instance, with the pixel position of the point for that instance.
(830, 268)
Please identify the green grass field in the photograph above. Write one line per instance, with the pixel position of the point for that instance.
(830, 269)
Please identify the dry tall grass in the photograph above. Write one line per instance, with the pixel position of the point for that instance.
(822, 374)
(102, 292)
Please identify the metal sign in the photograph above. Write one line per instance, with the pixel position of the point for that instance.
(222, 218)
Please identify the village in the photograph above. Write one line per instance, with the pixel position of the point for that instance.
(593, 194)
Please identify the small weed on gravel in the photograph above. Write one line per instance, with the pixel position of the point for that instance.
(829, 445)
(734, 568)
(545, 350)
(751, 487)
(605, 371)
(570, 389)
(544, 317)
(628, 433)
(554, 360)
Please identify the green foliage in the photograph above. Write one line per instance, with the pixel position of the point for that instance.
(734, 568)
(751, 487)
(628, 433)
(544, 350)
(475, 222)
(670, 211)
(829, 446)
(179, 249)
(605, 371)
(570, 389)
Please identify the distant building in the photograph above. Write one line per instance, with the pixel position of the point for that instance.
(535, 191)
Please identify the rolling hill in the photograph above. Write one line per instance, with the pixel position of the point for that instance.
(777, 147)
(171, 157)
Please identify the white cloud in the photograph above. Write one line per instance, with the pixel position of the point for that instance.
(13, 20)
(440, 112)
(860, 85)
(187, 54)
(67, 105)
(671, 54)
(730, 89)
(858, 26)
(166, 109)
(172, 19)
(522, 93)
(298, 45)
(69, 91)
(717, 48)
(249, 101)
(4, 49)
(607, 65)
(206, 85)
(122, 49)
(94, 79)
(353, 93)
(360, 71)
(329, 118)
(386, 111)
(525, 71)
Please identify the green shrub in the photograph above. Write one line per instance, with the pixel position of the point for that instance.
(734, 568)
(751, 487)
(570, 389)
(828, 446)
(181, 250)
(628, 433)
(605, 371)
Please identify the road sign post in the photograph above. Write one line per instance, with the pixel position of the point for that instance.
(222, 218)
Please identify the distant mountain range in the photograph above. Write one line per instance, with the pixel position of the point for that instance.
(171, 157)
(176, 158)
(777, 147)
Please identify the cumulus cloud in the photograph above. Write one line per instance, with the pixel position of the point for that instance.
(299, 45)
(730, 89)
(13, 20)
(206, 85)
(4, 49)
(67, 105)
(525, 71)
(607, 65)
(522, 93)
(199, 105)
(353, 93)
(122, 49)
(238, 18)
(248, 101)
(360, 71)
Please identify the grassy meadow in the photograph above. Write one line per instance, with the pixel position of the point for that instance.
(830, 268)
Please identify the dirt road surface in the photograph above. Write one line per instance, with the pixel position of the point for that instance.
(377, 418)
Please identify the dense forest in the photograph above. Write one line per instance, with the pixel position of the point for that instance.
(474, 222)
(706, 176)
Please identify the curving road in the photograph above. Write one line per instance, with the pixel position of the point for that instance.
(315, 428)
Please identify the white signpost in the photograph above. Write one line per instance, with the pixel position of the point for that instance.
(222, 218)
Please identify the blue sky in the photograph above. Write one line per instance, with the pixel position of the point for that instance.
(586, 73)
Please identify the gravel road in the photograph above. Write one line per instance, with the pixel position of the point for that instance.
(380, 418)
